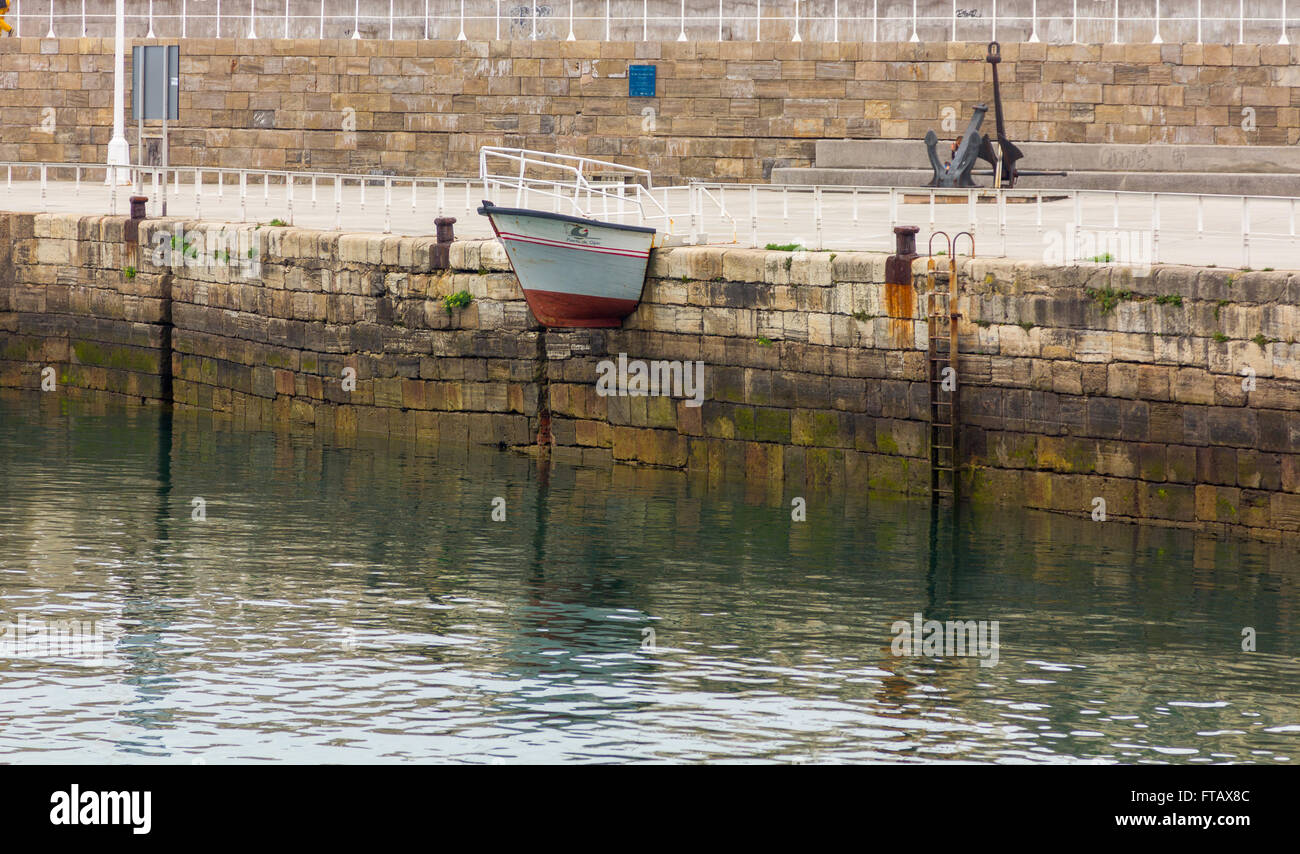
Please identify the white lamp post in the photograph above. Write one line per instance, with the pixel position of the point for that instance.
(119, 153)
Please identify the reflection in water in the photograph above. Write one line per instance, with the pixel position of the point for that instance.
(348, 604)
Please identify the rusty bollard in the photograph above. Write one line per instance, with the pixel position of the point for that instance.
(131, 230)
(898, 267)
(446, 236)
(900, 298)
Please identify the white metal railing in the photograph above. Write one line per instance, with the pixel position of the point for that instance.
(1056, 21)
(584, 186)
(1233, 230)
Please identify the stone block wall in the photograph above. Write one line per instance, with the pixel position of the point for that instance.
(74, 298)
(1172, 394)
(726, 111)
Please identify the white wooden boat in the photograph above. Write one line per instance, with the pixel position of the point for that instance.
(583, 263)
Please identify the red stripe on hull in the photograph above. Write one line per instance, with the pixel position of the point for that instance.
(552, 308)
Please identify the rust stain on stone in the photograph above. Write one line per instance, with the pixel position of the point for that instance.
(898, 303)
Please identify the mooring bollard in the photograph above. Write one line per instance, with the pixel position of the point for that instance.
(898, 267)
(446, 236)
(131, 229)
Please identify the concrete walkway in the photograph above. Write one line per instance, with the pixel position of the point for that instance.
(1206, 232)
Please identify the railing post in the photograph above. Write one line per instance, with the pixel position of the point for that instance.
(1033, 34)
(797, 37)
(252, 28)
(1155, 228)
(753, 216)
(915, 37)
(388, 204)
(1245, 231)
(1157, 39)
(817, 214)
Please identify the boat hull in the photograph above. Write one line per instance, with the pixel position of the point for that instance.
(574, 272)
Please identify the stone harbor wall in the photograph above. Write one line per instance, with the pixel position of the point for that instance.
(1174, 395)
(722, 111)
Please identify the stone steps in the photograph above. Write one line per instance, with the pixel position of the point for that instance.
(1249, 170)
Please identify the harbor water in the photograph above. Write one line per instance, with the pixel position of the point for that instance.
(177, 590)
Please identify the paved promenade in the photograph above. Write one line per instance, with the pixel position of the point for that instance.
(1202, 231)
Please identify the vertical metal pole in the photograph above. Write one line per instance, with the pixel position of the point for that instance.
(1155, 228)
(166, 90)
(817, 214)
(1245, 231)
(753, 216)
(119, 153)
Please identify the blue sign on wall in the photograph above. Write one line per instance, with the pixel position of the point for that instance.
(640, 81)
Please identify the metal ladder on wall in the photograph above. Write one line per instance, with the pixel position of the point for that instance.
(942, 361)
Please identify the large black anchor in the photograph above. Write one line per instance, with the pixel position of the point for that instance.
(957, 173)
(1002, 154)
(1005, 155)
